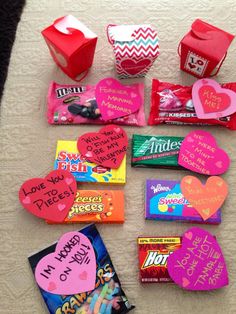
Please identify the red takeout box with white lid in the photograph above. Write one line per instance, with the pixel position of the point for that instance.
(203, 49)
(136, 47)
(71, 44)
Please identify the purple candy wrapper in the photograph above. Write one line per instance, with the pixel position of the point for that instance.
(165, 201)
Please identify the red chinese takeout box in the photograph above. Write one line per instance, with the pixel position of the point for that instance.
(71, 44)
(203, 48)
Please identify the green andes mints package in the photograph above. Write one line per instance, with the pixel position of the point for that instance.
(155, 151)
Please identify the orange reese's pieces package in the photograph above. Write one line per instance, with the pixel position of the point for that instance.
(99, 206)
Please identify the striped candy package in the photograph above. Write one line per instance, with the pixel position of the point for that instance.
(136, 47)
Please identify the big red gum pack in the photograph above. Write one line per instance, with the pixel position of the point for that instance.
(153, 257)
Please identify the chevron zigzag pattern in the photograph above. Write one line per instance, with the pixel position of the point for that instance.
(129, 55)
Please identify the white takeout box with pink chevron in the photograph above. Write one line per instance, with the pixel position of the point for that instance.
(136, 47)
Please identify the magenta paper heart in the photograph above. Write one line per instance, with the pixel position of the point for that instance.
(211, 101)
(105, 148)
(199, 153)
(133, 67)
(116, 100)
(71, 269)
(51, 197)
(199, 264)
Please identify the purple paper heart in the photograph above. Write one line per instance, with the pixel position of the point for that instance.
(199, 264)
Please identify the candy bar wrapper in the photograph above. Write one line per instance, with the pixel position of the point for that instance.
(153, 256)
(74, 104)
(68, 158)
(165, 201)
(99, 206)
(114, 301)
(155, 151)
(172, 104)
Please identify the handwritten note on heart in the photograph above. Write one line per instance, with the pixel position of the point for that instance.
(211, 101)
(199, 264)
(199, 153)
(106, 147)
(116, 100)
(51, 197)
(206, 199)
(71, 268)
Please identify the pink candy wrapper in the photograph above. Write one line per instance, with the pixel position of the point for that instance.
(74, 104)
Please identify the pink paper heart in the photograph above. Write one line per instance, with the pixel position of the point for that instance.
(51, 197)
(68, 181)
(116, 100)
(202, 155)
(61, 207)
(60, 272)
(26, 200)
(52, 286)
(199, 264)
(83, 275)
(88, 154)
(188, 235)
(211, 101)
(185, 282)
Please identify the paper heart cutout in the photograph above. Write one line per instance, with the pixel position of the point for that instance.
(51, 197)
(108, 146)
(59, 272)
(185, 282)
(116, 100)
(205, 198)
(52, 286)
(211, 101)
(135, 67)
(201, 154)
(188, 235)
(199, 264)
(83, 275)
(61, 207)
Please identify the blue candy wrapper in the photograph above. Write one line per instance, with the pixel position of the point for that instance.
(107, 297)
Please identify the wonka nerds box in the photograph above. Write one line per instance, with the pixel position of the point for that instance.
(69, 158)
(165, 201)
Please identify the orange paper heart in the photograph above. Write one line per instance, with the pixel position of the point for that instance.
(206, 199)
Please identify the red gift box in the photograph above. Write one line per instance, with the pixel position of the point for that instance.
(71, 44)
(203, 48)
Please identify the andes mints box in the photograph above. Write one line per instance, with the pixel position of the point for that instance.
(165, 201)
(155, 151)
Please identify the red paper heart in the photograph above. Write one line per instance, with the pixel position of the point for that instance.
(192, 66)
(106, 147)
(135, 67)
(50, 198)
(225, 99)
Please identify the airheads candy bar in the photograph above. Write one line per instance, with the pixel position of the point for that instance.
(153, 257)
(172, 104)
(99, 206)
(155, 151)
(165, 201)
(69, 158)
